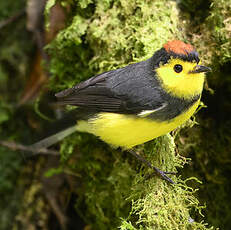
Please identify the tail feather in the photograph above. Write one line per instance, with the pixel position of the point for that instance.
(62, 128)
(47, 142)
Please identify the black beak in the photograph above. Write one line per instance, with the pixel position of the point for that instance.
(200, 69)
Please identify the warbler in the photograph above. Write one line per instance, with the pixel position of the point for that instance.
(135, 104)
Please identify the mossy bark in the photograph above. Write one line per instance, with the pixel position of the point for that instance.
(108, 189)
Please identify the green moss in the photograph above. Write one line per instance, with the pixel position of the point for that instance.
(157, 205)
(210, 163)
(105, 178)
(211, 35)
(137, 25)
(114, 191)
(219, 23)
(209, 143)
(116, 33)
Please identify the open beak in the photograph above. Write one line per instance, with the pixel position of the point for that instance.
(200, 69)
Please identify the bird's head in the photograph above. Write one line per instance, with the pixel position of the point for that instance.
(179, 69)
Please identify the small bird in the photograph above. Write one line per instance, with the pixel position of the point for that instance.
(135, 104)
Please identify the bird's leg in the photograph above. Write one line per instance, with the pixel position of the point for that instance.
(158, 172)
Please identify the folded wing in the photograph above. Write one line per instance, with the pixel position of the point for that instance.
(117, 91)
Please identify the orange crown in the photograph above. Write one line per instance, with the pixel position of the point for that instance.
(178, 47)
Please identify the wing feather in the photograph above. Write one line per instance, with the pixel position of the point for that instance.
(130, 90)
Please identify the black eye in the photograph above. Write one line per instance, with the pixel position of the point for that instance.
(178, 68)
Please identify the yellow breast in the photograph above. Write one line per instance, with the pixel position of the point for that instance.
(127, 131)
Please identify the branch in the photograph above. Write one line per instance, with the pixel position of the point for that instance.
(14, 146)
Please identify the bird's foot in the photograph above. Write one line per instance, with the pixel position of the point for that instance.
(161, 174)
(157, 171)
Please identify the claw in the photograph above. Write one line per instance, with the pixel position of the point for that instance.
(163, 175)
(158, 172)
(172, 173)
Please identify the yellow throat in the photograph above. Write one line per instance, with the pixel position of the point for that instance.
(184, 84)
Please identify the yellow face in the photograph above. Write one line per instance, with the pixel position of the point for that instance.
(177, 79)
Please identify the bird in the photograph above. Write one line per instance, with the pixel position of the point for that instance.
(132, 105)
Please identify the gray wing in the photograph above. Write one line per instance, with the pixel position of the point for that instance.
(130, 90)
